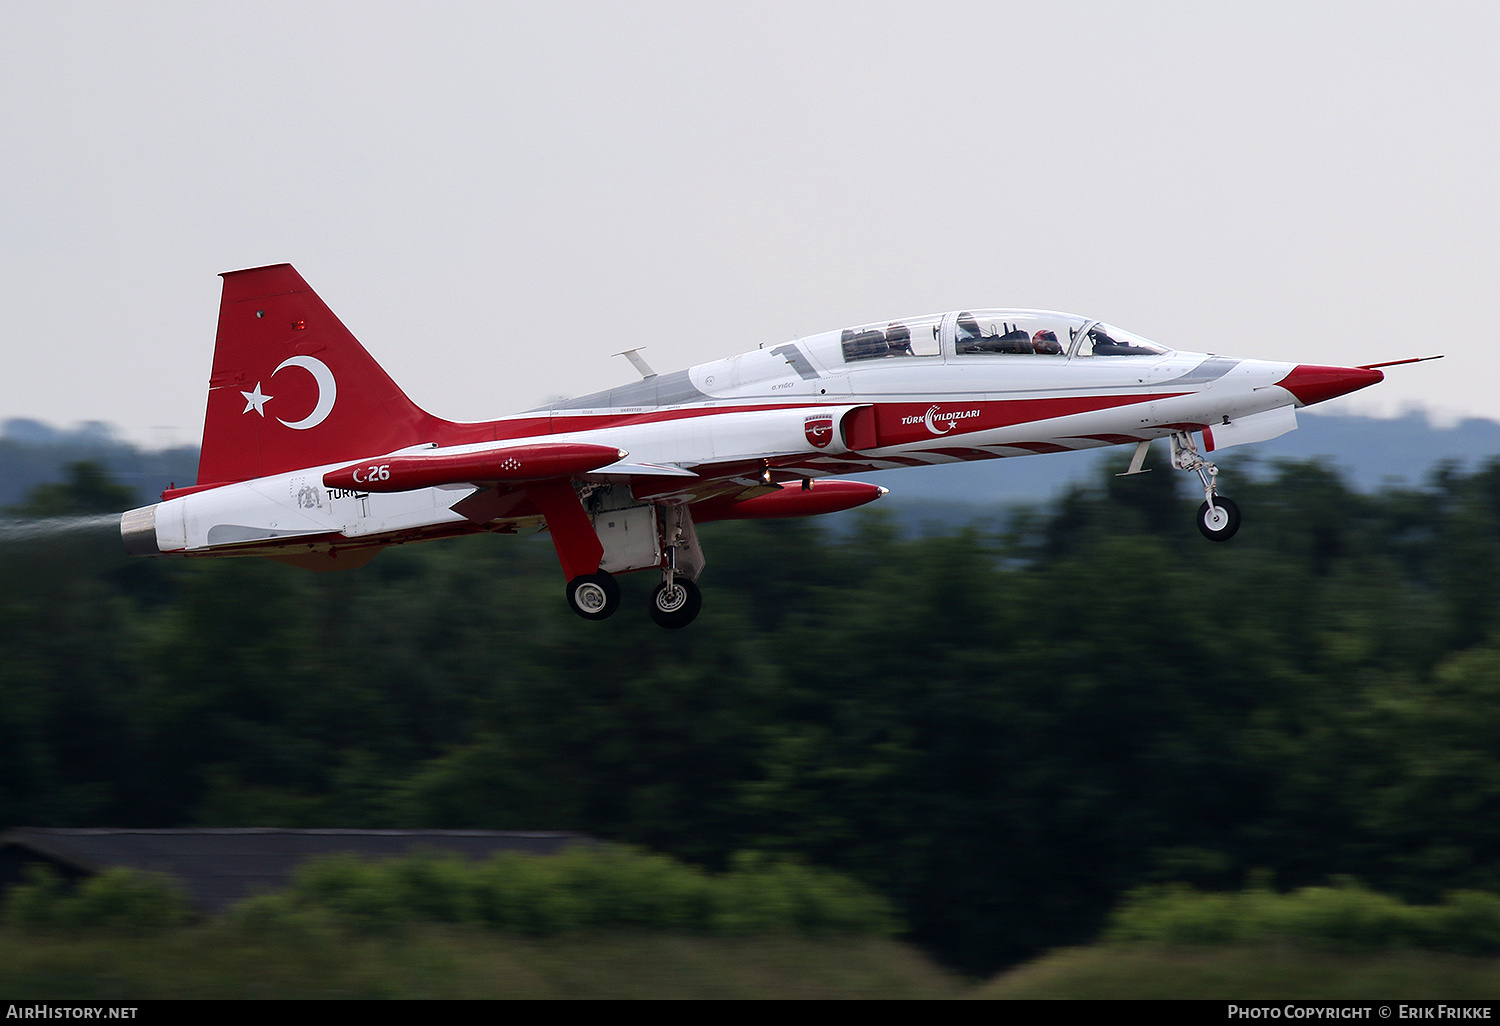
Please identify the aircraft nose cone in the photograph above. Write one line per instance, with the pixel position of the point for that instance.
(1311, 383)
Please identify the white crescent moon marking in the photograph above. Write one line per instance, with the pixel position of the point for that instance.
(928, 419)
(328, 390)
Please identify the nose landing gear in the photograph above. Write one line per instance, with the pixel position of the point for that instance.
(1218, 517)
(1219, 522)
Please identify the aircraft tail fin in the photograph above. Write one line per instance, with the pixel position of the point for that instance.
(291, 387)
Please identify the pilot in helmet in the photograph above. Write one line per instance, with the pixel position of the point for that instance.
(1045, 342)
(898, 338)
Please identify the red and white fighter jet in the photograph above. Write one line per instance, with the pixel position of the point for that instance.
(312, 455)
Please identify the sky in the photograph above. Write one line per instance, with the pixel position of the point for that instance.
(495, 197)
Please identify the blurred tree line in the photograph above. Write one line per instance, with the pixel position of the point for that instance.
(1002, 732)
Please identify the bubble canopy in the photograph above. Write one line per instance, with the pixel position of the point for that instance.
(1016, 332)
(1102, 340)
(1043, 333)
(1038, 333)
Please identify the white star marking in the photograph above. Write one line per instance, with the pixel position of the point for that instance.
(256, 401)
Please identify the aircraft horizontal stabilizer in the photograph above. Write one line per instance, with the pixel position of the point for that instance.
(539, 462)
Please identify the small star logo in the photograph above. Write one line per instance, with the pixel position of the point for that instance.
(256, 401)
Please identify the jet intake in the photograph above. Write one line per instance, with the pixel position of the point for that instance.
(540, 462)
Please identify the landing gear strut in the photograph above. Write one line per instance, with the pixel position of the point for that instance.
(676, 601)
(594, 596)
(1218, 517)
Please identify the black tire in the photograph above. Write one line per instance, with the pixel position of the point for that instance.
(1220, 521)
(594, 596)
(678, 607)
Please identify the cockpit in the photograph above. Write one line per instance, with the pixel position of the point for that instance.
(1102, 340)
(1015, 332)
(991, 333)
(918, 336)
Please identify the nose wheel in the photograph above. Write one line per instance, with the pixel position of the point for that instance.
(1219, 521)
(594, 596)
(1218, 517)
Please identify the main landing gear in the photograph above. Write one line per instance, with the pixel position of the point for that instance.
(617, 531)
(1218, 517)
(675, 603)
(594, 596)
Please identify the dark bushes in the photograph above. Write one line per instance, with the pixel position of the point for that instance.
(115, 901)
(580, 890)
(1345, 917)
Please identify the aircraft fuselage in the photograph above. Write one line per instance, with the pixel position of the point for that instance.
(621, 476)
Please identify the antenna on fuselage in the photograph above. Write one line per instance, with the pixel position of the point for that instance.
(1138, 458)
(641, 366)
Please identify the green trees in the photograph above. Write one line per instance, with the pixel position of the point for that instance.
(88, 489)
(1002, 734)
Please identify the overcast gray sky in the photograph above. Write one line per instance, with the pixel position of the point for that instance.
(495, 197)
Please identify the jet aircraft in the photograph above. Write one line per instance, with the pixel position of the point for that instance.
(312, 455)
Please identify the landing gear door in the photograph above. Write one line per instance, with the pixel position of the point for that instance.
(631, 538)
(680, 542)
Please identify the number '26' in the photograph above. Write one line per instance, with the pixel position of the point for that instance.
(375, 473)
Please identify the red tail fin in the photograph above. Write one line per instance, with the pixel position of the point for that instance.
(291, 387)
